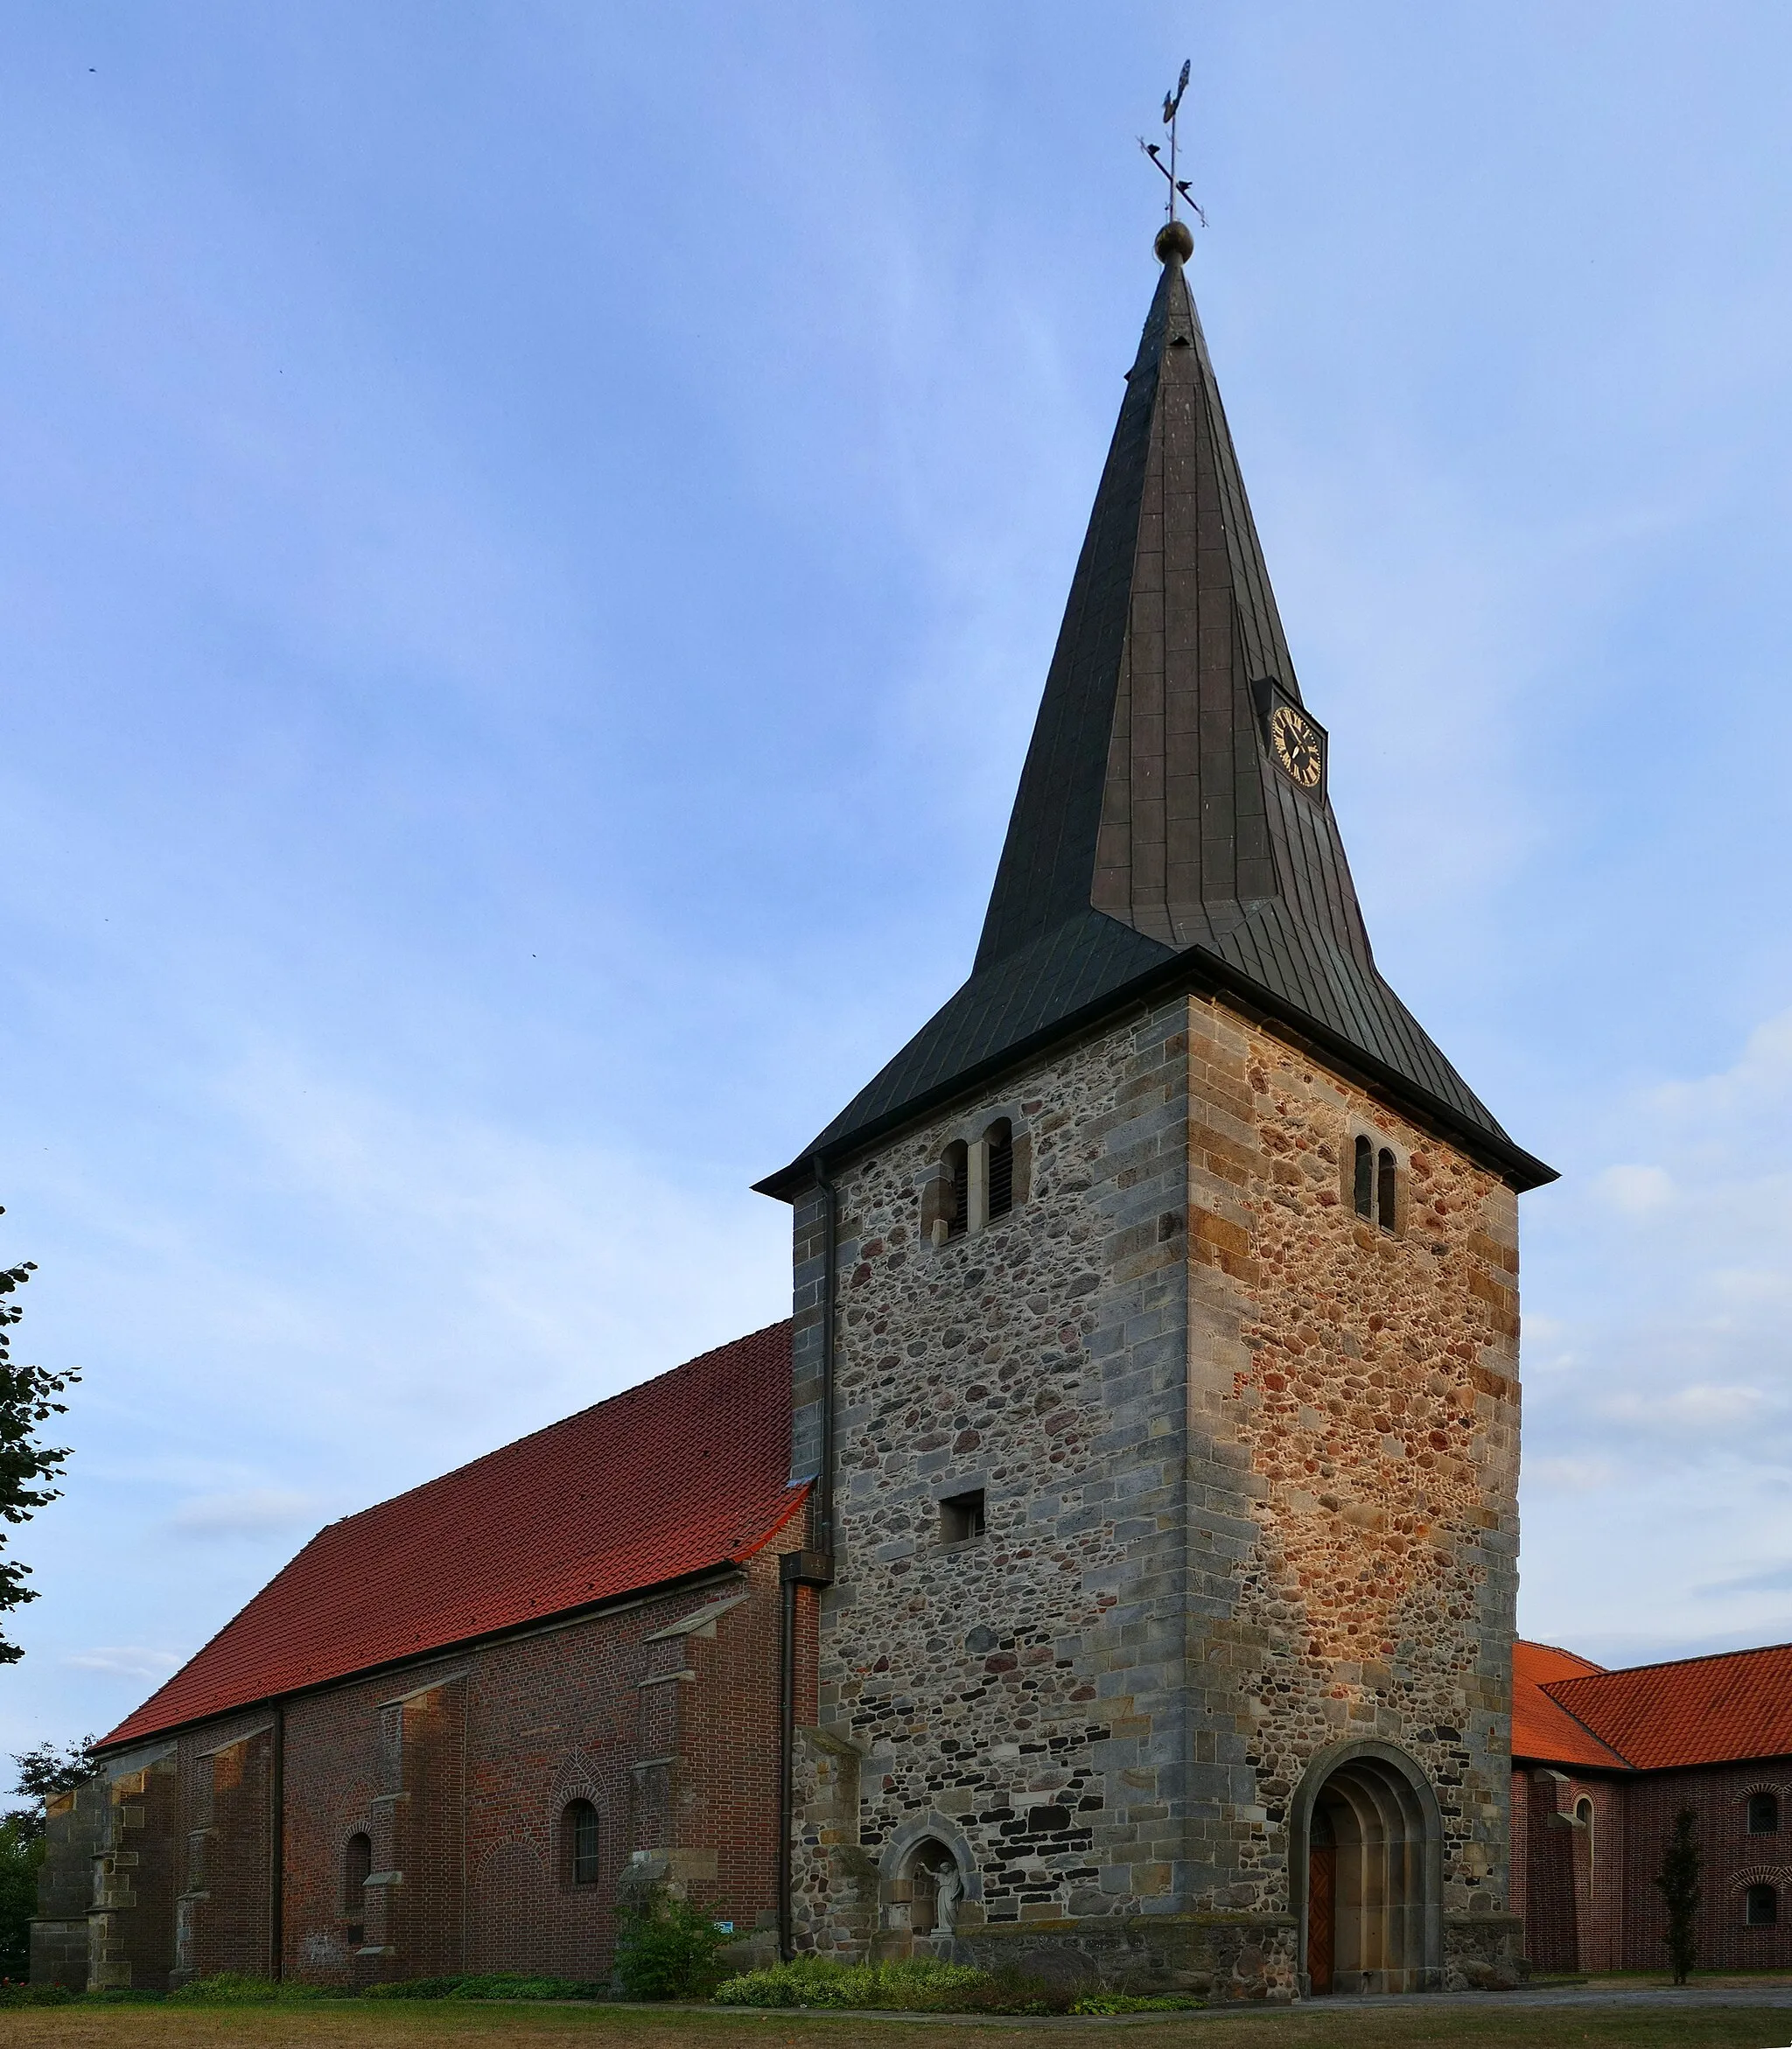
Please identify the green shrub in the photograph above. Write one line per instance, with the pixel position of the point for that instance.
(235, 1989)
(488, 1985)
(1136, 2003)
(920, 1984)
(21, 1853)
(668, 1949)
(238, 1989)
(13, 1993)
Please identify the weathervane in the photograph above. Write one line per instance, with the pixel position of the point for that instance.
(1172, 104)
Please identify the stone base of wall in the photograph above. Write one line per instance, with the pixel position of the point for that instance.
(1227, 1957)
(60, 1953)
(1482, 1952)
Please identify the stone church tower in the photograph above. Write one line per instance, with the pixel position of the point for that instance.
(1156, 1350)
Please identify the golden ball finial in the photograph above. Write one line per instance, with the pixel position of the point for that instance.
(1174, 240)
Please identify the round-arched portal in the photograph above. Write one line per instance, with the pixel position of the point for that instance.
(1366, 1848)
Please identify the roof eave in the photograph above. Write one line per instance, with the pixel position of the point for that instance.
(1195, 967)
(459, 1647)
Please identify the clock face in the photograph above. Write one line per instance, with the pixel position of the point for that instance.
(1299, 752)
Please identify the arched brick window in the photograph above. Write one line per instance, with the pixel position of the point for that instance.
(578, 1843)
(357, 1869)
(1763, 1813)
(1760, 1906)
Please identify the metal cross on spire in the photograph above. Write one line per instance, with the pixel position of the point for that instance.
(1173, 103)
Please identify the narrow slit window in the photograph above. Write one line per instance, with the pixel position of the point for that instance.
(1760, 1906)
(357, 1869)
(1000, 1140)
(1365, 1180)
(957, 1164)
(580, 1824)
(1386, 1190)
(1763, 1813)
(961, 1518)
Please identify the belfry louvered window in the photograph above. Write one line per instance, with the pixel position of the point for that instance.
(1365, 1186)
(1000, 1139)
(1374, 1184)
(957, 1165)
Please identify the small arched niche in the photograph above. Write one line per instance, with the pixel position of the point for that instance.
(1366, 1873)
(929, 1878)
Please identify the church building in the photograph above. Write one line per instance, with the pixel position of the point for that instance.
(1110, 1569)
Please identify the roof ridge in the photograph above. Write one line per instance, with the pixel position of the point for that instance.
(621, 1395)
(1535, 1643)
(1758, 1650)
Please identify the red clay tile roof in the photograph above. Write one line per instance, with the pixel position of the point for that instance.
(684, 1472)
(1693, 1712)
(1542, 1731)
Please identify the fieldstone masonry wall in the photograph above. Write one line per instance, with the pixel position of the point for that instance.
(1250, 1467)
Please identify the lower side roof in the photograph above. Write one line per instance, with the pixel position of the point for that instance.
(684, 1472)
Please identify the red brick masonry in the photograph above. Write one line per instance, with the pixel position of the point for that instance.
(1602, 1764)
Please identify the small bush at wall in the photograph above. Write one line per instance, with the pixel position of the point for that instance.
(488, 1985)
(920, 1985)
(923, 1985)
(237, 1989)
(668, 1949)
(12, 1993)
(1136, 2003)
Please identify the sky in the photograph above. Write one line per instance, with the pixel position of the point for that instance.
(531, 537)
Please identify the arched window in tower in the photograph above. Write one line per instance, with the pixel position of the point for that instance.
(1760, 1906)
(1763, 1813)
(357, 1869)
(1387, 1191)
(1000, 1139)
(578, 1843)
(1365, 1189)
(958, 1166)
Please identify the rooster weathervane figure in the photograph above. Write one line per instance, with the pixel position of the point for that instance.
(1173, 103)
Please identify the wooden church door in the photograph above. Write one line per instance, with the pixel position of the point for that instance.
(1321, 1904)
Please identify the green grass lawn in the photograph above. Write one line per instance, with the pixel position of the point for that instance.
(370, 2026)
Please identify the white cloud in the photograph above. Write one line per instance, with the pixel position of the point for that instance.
(1636, 1190)
(1569, 1476)
(1694, 1408)
(127, 1661)
(1680, 1394)
(258, 1511)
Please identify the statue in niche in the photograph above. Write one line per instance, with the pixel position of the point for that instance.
(949, 1890)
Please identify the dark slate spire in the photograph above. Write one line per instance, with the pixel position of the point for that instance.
(1155, 839)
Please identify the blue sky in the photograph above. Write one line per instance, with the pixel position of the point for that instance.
(530, 535)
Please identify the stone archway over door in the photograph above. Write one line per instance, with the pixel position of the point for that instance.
(1367, 1844)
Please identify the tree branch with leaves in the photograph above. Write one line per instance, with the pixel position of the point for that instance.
(28, 1400)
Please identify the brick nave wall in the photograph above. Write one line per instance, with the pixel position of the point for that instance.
(1574, 1916)
(1733, 1860)
(460, 1769)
